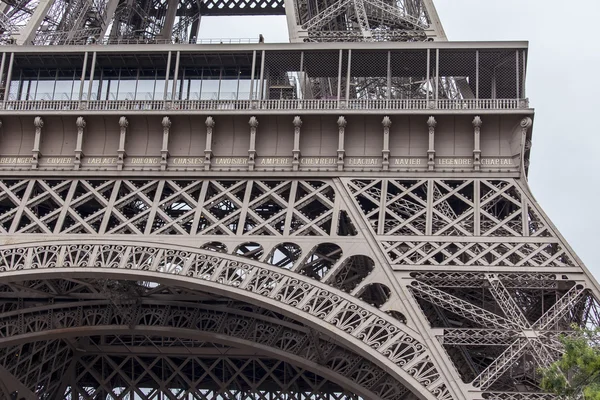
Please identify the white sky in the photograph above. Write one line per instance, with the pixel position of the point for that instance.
(564, 59)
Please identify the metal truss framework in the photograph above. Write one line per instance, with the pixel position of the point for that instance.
(141, 21)
(352, 263)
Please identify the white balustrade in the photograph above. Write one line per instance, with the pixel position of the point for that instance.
(274, 105)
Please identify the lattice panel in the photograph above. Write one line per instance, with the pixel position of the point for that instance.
(172, 207)
(39, 366)
(448, 207)
(201, 379)
(505, 254)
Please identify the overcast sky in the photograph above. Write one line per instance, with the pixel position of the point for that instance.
(562, 84)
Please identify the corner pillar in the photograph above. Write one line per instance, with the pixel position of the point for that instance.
(79, 144)
(123, 124)
(252, 150)
(38, 122)
(431, 122)
(164, 151)
(296, 150)
(385, 153)
(477, 143)
(210, 124)
(341, 153)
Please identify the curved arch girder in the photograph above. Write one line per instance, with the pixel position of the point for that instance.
(242, 329)
(383, 339)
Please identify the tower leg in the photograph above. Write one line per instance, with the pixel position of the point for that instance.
(28, 32)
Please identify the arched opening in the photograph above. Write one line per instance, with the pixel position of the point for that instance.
(284, 255)
(375, 294)
(352, 272)
(321, 260)
(156, 341)
(215, 246)
(251, 250)
(207, 277)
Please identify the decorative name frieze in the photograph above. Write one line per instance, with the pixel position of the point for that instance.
(100, 160)
(408, 162)
(274, 162)
(453, 162)
(497, 162)
(57, 160)
(285, 163)
(318, 161)
(15, 160)
(187, 161)
(363, 162)
(226, 161)
(143, 160)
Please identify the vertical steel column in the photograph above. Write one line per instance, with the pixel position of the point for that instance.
(348, 77)
(92, 72)
(302, 76)
(175, 76)
(477, 74)
(167, 29)
(2, 63)
(83, 73)
(523, 92)
(389, 75)
(339, 82)
(237, 87)
(28, 32)
(9, 77)
(251, 76)
(167, 77)
(437, 75)
(428, 75)
(517, 72)
(262, 75)
(137, 81)
(54, 86)
(219, 87)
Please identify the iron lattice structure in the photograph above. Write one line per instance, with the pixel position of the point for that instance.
(254, 221)
(166, 21)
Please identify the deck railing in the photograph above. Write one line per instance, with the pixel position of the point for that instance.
(265, 105)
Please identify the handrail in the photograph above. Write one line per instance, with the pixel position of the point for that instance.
(267, 105)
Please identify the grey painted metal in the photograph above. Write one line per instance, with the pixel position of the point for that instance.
(358, 225)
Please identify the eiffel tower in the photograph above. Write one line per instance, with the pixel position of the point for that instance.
(346, 216)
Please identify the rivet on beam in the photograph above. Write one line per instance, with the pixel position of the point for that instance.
(38, 122)
(477, 143)
(296, 151)
(252, 150)
(210, 124)
(123, 124)
(341, 152)
(80, 122)
(385, 153)
(164, 151)
(431, 122)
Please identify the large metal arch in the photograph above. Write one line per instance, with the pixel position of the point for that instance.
(381, 339)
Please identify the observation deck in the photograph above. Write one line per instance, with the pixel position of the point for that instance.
(242, 78)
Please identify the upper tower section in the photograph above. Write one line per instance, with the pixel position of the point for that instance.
(56, 22)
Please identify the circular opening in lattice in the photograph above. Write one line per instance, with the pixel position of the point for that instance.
(251, 250)
(397, 315)
(352, 272)
(375, 294)
(285, 255)
(214, 246)
(321, 260)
